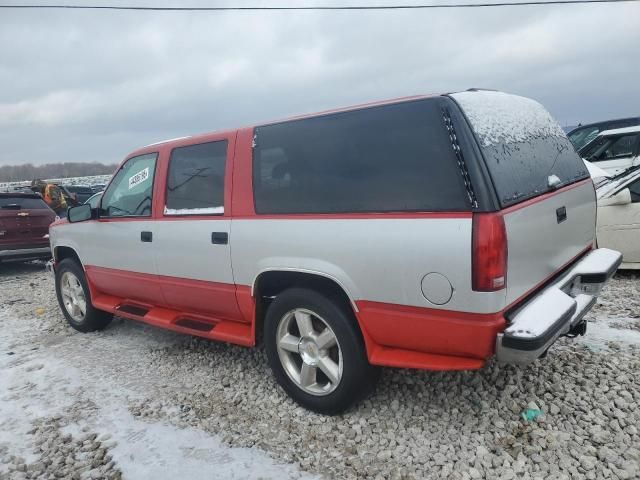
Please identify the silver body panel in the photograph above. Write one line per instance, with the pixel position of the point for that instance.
(183, 249)
(109, 244)
(539, 245)
(382, 260)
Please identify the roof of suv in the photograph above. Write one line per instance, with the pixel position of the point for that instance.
(204, 136)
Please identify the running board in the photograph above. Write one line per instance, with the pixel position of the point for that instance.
(183, 322)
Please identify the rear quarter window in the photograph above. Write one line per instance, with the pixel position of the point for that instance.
(394, 157)
(26, 203)
(521, 143)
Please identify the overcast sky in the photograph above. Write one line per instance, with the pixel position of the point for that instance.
(94, 85)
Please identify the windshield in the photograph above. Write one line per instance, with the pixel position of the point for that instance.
(582, 136)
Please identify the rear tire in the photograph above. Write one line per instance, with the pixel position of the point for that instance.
(74, 298)
(316, 351)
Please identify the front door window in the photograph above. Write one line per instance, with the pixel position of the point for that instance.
(131, 191)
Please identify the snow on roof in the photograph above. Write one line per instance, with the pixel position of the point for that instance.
(498, 117)
(165, 141)
(620, 131)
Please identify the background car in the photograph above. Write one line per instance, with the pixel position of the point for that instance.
(618, 222)
(614, 150)
(583, 134)
(81, 192)
(99, 187)
(24, 226)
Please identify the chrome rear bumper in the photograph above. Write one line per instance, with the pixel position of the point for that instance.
(556, 310)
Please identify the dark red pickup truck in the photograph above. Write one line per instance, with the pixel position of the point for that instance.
(24, 226)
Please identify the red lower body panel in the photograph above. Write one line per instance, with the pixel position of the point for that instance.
(416, 337)
(395, 335)
(173, 303)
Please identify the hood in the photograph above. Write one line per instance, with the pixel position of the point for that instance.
(594, 170)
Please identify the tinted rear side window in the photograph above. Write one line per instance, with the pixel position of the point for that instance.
(27, 203)
(522, 144)
(195, 181)
(390, 158)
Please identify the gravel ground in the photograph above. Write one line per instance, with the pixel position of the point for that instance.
(97, 405)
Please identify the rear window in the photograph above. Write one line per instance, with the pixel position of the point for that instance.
(522, 144)
(390, 158)
(26, 203)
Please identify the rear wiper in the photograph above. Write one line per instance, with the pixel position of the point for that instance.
(12, 206)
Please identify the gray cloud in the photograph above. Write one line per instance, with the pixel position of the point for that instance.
(91, 86)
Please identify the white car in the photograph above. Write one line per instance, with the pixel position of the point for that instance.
(614, 150)
(618, 224)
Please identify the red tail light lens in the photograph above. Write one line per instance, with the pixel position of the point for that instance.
(489, 252)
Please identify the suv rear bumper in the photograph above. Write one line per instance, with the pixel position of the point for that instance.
(25, 253)
(556, 310)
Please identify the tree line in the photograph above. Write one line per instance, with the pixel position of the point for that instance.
(28, 171)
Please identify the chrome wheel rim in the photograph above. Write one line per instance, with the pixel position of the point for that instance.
(309, 351)
(73, 298)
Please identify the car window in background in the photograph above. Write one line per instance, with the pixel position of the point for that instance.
(26, 203)
(581, 137)
(610, 148)
(131, 191)
(195, 180)
(634, 188)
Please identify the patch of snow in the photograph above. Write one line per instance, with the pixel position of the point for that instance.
(159, 450)
(165, 141)
(601, 332)
(194, 211)
(501, 118)
(44, 381)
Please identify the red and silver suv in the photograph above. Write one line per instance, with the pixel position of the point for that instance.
(24, 226)
(426, 232)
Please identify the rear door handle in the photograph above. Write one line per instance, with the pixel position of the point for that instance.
(146, 236)
(219, 238)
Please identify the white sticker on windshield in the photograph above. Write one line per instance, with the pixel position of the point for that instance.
(138, 178)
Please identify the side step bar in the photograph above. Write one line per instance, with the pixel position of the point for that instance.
(192, 324)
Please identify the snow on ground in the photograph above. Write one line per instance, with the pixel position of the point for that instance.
(43, 375)
(137, 402)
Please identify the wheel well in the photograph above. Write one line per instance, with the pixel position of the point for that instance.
(61, 253)
(270, 284)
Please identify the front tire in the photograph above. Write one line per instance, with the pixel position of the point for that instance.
(74, 298)
(316, 351)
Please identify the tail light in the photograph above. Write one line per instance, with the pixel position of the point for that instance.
(489, 252)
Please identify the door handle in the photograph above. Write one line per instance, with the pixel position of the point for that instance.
(219, 238)
(146, 236)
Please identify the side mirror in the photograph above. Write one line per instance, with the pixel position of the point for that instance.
(79, 213)
(623, 197)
